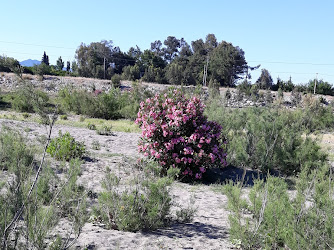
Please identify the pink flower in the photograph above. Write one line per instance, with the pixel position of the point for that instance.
(202, 169)
(198, 176)
(212, 157)
(184, 159)
(208, 140)
(174, 128)
(188, 151)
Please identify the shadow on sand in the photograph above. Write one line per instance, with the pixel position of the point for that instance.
(180, 230)
(222, 175)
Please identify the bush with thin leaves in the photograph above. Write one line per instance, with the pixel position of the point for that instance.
(142, 206)
(271, 219)
(64, 147)
(32, 201)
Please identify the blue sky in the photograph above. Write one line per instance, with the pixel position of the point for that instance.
(287, 37)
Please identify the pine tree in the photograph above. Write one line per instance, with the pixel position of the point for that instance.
(45, 59)
(60, 64)
(68, 66)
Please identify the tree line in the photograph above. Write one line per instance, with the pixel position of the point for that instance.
(172, 61)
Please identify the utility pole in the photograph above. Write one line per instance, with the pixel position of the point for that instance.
(247, 74)
(315, 83)
(104, 66)
(205, 70)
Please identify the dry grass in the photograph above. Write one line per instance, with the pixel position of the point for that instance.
(78, 121)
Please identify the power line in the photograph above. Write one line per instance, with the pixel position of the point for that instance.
(37, 45)
(301, 63)
(32, 54)
(301, 73)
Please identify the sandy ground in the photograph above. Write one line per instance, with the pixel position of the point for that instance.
(208, 230)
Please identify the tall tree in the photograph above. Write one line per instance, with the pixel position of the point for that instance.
(198, 47)
(227, 64)
(135, 53)
(197, 61)
(210, 43)
(156, 48)
(75, 67)
(60, 63)
(45, 59)
(68, 66)
(120, 60)
(174, 73)
(264, 81)
(101, 59)
(148, 58)
(170, 51)
(94, 60)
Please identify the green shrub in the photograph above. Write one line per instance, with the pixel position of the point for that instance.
(214, 88)
(64, 147)
(105, 105)
(145, 205)
(269, 138)
(26, 115)
(91, 126)
(131, 73)
(112, 105)
(315, 116)
(130, 101)
(96, 145)
(39, 211)
(268, 97)
(280, 93)
(14, 153)
(28, 99)
(254, 92)
(244, 88)
(105, 130)
(45, 185)
(63, 117)
(116, 80)
(186, 214)
(296, 97)
(270, 219)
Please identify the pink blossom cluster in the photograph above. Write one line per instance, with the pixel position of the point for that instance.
(177, 134)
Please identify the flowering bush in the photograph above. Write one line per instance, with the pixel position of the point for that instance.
(177, 134)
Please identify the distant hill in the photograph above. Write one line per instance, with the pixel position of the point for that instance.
(30, 63)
